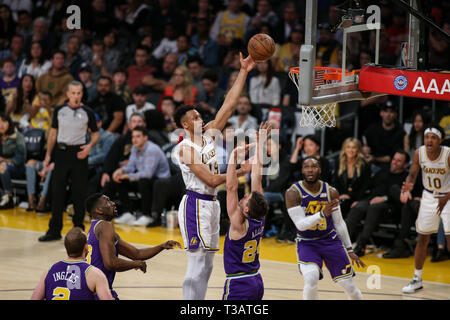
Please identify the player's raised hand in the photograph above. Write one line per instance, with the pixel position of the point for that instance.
(356, 260)
(248, 63)
(329, 208)
(170, 244)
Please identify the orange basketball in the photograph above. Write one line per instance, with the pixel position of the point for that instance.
(261, 47)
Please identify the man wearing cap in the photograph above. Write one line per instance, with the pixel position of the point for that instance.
(85, 76)
(140, 104)
(382, 140)
(434, 160)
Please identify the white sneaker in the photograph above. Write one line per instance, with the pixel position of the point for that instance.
(4, 200)
(142, 221)
(413, 286)
(126, 218)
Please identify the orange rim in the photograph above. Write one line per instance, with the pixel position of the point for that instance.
(329, 72)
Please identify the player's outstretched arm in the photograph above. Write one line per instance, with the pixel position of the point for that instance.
(256, 176)
(107, 237)
(39, 291)
(97, 282)
(232, 96)
(297, 214)
(341, 228)
(408, 184)
(134, 253)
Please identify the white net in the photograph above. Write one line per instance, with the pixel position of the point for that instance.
(319, 116)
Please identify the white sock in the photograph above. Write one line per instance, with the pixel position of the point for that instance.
(199, 268)
(418, 274)
(351, 289)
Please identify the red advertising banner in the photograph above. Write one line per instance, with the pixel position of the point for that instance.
(419, 84)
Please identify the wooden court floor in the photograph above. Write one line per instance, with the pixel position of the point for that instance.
(24, 259)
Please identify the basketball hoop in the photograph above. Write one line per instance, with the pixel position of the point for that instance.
(322, 115)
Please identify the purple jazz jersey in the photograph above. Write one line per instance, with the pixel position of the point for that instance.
(66, 280)
(312, 204)
(321, 243)
(241, 262)
(94, 256)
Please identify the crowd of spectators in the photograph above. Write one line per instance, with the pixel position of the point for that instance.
(139, 60)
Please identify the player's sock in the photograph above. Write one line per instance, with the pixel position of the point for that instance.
(418, 274)
(197, 275)
(351, 289)
(311, 279)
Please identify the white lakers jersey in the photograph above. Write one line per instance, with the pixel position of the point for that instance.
(436, 173)
(208, 157)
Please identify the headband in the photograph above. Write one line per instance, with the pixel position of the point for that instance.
(435, 131)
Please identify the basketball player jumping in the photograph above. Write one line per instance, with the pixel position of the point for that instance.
(241, 249)
(199, 210)
(434, 160)
(322, 234)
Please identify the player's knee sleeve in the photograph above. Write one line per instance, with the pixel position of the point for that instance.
(311, 275)
(197, 275)
(351, 289)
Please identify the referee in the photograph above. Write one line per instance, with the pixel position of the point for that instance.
(68, 136)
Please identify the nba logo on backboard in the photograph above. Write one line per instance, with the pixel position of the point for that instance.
(400, 82)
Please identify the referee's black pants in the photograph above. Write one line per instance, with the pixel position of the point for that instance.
(68, 168)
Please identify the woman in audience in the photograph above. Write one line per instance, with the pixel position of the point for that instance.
(265, 87)
(12, 159)
(414, 139)
(36, 63)
(352, 174)
(180, 87)
(20, 103)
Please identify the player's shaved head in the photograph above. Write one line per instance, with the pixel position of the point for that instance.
(74, 241)
(92, 202)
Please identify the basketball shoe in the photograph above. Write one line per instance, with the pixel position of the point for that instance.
(414, 286)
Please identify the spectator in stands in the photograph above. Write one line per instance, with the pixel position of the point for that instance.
(167, 12)
(36, 63)
(7, 23)
(327, 47)
(195, 66)
(120, 85)
(414, 139)
(287, 23)
(15, 52)
(310, 146)
(207, 47)
(136, 14)
(85, 76)
(264, 14)
(180, 87)
(243, 121)
(408, 216)
(168, 44)
(112, 53)
(20, 102)
(24, 23)
(9, 82)
(147, 163)
(265, 87)
(100, 66)
(74, 59)
(352, 175)
(230, 24)
(56, 79)
(12, 159)
(142, 68)
(184, 48)
(381, 140)
(159, 81)
(109, 106)
(375, 207)
(98, 154)
(202, 11)
(39, 116)
(212, 98)
(288, 55)
(168, 107)
(140, 104)
(41, 32)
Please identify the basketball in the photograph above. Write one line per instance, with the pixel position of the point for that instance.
(261, 47)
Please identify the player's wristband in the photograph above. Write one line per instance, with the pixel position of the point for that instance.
(350, 251)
